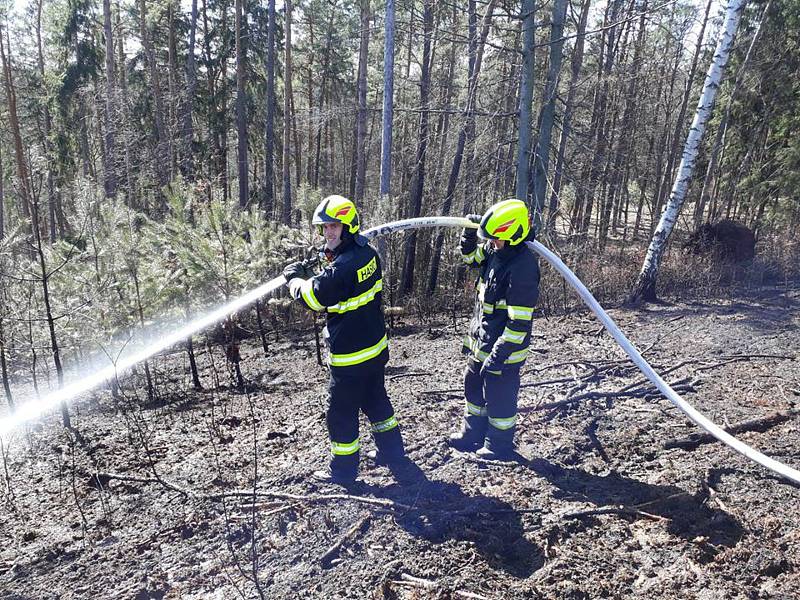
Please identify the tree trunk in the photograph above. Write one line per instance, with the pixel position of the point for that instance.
(3, 366)
(269, 141)
(361, 118)
(576, 64)
(466, 133)
(241, 109)
(287, 119)
(687, 92)
(162, 150)
(525, 100)
(51, 324)
(719, 140)
(627, 127)
(188, 107)
(601, 142)
(645, 286)
(321, 98)
(110, 180)
(541, 158)
(388, 101)
(407, 283)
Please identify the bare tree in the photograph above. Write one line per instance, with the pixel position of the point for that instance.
(645, 286)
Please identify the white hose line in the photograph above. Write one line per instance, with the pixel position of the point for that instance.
(34, 409)
(697, 418)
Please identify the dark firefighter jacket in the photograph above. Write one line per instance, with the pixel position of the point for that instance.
(348, 290)
(506, 292)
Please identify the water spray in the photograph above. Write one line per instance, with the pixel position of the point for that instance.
(33, 409)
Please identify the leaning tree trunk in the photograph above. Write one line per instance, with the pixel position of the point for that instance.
(645, 286)
(673, 153)
(525, 100)
(719, 140)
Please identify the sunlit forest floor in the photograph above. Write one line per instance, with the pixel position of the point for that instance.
(609, 498)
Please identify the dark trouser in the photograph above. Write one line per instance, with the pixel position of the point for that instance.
(491, 409)
(348, 393)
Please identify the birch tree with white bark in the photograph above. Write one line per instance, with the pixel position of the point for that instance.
(645, 286)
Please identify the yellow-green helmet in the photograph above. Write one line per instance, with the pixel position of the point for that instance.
(336, 209)
(507, 220)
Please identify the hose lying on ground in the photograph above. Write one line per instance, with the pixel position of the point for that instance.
(33, 409)
(697, 418)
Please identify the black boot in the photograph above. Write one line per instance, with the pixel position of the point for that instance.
(464, 441)
(497, 450)
(335, 477)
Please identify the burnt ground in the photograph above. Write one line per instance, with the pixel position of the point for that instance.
(155, 500)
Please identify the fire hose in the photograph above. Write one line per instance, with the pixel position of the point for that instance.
(33, 409)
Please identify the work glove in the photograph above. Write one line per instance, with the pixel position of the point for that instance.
(295, 270)
(471, 233)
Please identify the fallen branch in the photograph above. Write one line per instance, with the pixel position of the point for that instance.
(361, 525)
(760, 424)
(613, 510)
(681, 386)
(309, 498)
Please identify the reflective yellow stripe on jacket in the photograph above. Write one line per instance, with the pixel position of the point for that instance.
(356, 358)
(307, 293)
(358, 301)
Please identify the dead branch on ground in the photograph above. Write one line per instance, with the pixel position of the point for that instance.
(360, 526)
(760, 424)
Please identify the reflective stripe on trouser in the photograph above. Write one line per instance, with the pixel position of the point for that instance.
(348, 394)
(491, 405)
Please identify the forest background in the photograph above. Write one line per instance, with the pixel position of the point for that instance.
(157, 158)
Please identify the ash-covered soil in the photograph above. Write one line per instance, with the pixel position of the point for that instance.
(156, 499)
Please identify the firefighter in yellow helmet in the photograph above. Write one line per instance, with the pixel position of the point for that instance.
(348, 290)
(500, 330)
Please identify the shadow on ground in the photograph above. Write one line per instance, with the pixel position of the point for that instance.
(442, 511)
(689, 517)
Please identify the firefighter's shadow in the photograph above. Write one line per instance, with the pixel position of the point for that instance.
(441, 511)
(685, 514)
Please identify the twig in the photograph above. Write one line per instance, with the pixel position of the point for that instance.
(401, 375)
(361, 525)
(760, 424)
(612, 510)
